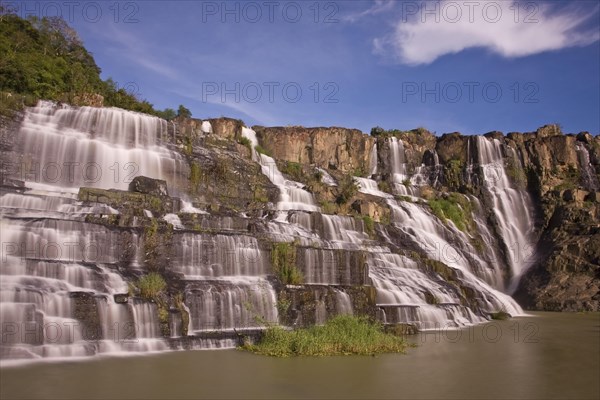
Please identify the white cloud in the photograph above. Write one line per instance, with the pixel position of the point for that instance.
(420, 37)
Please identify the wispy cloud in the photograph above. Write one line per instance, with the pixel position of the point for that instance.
(378, 7)
(496, 26)
(132, 47)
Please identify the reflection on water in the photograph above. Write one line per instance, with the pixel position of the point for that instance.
(548, 355)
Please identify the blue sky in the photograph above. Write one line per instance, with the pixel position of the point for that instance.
(442, 65)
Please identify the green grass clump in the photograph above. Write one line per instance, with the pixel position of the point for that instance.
(261, 150)
(341, 335)
(346, 190)
(151, 286)
(292, 169)
(283, 258)
(500, 315)
(369, 224)
(456, 208)
(12, 103)
(384, 186)
(244, 141)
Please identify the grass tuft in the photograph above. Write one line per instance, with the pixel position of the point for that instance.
(151, 286)
(341, 335)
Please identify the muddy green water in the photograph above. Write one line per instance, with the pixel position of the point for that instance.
(548, 355)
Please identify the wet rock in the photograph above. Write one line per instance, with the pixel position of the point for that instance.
(85, 310)
(121, 298)
(143, 184)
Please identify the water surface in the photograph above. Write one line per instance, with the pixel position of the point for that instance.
(545, 356)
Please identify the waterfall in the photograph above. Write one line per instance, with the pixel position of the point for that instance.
(70, 147)
(343, 303)
(231, 304)
(405, 182)
(292, 196)
(62, 269)
(373, 165)
(369, 186)
(590, 178)
(512, 206)
(206, 256)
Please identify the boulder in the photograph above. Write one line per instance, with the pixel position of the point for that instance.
(143, 184)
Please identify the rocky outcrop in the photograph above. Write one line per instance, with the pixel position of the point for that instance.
(143, 184)
(561, 172)
(345, 150)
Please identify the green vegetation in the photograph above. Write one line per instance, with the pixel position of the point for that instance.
(157, 239)
(570, 178)
(500, 315)
(408, 199)
(384, 186)
(178, 299)
(244, 141)
(195, 176)
(261, 150)
(456, 208)
(328, 207)
(516, 173)
(183, 112)
(380, 132)
(9, 103)
(346, 190)
(151, 286)
(360, 172)
(369, 224)
(283, 305)
(292, 169)
(188, 145)
(406, 182)
(44, 58)
(283, 258)
(453, 173)
(342, 335)
(318, 176)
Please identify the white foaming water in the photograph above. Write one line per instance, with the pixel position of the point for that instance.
(292, 196)
(71, 147)
(343, 303)
(207, 256)
(206, 127)
(373, 164)
(590, 179)
(174, 220)
(327, 178)
(187, 207)
(405, 183)
(219, 305)
(369, 186)
(512, 206)
(225, 273)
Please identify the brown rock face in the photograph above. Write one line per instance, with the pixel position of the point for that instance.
(342, 149)
(452, 146)
(226, 128)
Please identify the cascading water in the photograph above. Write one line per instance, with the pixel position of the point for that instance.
(512, 206)
(292, 196)
(590, 178)
(59, 270)
(68, 147)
